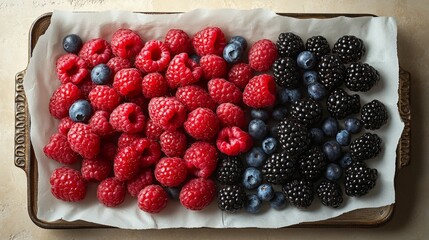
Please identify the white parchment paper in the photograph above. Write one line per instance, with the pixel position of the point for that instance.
(379, 34)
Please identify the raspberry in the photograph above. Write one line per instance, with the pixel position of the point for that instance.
(135, 185)
(194, 97)
(201, 159)
(154, 57)
(240, 74)
(213, 66)
(262, 55)
(128, 117)
(67, 184)
(152, 199)
(140, 100)
(223, 91)
(233, 141)
(197, 194)
(59, 149)
(127, 139)
(99, 123)
(115, 64)
(230, 115)
(173, 144)
(126, 164)
(260, 92)
(177, 41)
(96, 51)
(202, 124)
(128, 82)
(126, 43)
(209, 40)
(96, 169)
(108, 150)
(153, 130)
(104, 98)
(71, 68)
(111, 192)
(65, 125)
(167, 112)
(182, 71)
(151, 154)
(170, 172)
(83, 141)
(154, 85)
(62, 99)
(86, 87)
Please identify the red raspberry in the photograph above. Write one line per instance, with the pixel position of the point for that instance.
(140, 100)
(173, 144)
(153, 130)
(126, 43)
(59, 149)
(83, 141)
(201, 159)
(151, 154)
(108, 150)
(262, 55)
(96, 51)
(177, 41)
(128, 117)
(213, 66)
(99, 123)
(233, 141)
(115, 64)
(209, 40)
(202, 124)
(96, 169)
(86, 87)
(240, 74)
(67, 184)
(111, 192)
(167, 112)
(65, 125)
(141, 144)
(154, 85)
(62, 99)
(260, 92)
(194, 97)
(230, 115)
(223, 91)
(71, 68)
(128, 82)
(126, 164)
(104, 98)
(152, 199)
(154, 57)
(182, 71)
(170, 172)
(197, 194)
(127, 139)
(144, 179)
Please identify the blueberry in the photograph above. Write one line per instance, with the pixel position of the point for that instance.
(278, 201)
(317, 136)
(269, 145)
(72, 43)
(316, 91)
(283, 96)
(274, 130)
(309, 77)
(294, 94)
(353, 125)
(241, 41)
(253, 204)
(333, 172)
(255, 157)
(332, 150)
(80, 111)
(232, 53)
(252, 178)
(330, 127)
(306, 60)
(279, 113)
(173, 192)
(265, 192)
(259, 114)
(345, 160)
(343, 137)
(101, 74)
(195, 58)
(257, 129)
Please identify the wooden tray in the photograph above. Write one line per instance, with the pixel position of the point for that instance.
(26, 160)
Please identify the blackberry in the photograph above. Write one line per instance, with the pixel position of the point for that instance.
(349, 48)
(229, 171)
(365, 147)
(330, 193)
(299, 192)
(340, 104)
(359, 179)
(318, 45)
(286, 72)
(374, 115)
(231, 198)
(293, 137)
(279, 168)
(361, 77)
(331, 71)
(289, 45)
(312, 163)
(306, 111)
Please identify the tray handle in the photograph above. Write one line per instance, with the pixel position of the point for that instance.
(404, 146)
(21, 123)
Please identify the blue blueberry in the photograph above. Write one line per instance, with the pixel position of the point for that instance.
(255, 157)
(316, 91)
(253, 203)
(232, 53)
(240, 41)
(333, 172)
(278, 202)
(332, 150)
(330, 127)
(101, 74)
(279, 113)
(274, 130)
(173, 192)
(343, 137)
(353, 125)
(317, 136)
(283, 96)
(306, 60)
(269, 145)
(195, 58)
(259, 114)
(294, 94)
(72, 43)
(309, 77)
(252, 178)
(345, 160)
(257, 129)
(265, 192)
(80, 111)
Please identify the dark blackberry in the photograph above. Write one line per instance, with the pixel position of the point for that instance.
(293, 137)
(374, 115)
(312, 163)
(231, 198)
(349, 48)
(359, 179)
(318, 45)
(229, 171)
(330, 193)
(306, 111)
(361, 77)
(340, 104)
(299, 192)
(279, 168)
(286, 72)
(331, 71)
(365, 147)
(289, 45)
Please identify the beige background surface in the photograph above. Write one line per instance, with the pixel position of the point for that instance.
(411, 215)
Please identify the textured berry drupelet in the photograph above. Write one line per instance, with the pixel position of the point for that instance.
(193, 97)
(289, 45)
(71, 68)
(240, 74)
(99, 123)
(151, 154)
(312, 163)
(65, 125)
(61, 100)
(83, 141)
(116, 63)
(318, 45)
(167, 112)
(111, 192)
(126, 164)
(152, 199)
(197, 193)
(128, 82)
(222, 91)
(173, 143)
(361, 77)
(67, 184)
(306, 111)
(359, 179)
(209, 40)
(231, 198)
(59, 149)
(349, 48)
(171, 172)
(331, 71)
(142, 180)
(182, 71)
(260, 92)
(229, 171)
(213, 66)
(374, 115)
(128, 117)
(262, 55)
(365, 147)
(152, 130)
(340, 104)
(104, 98)
(96, 169)
(202, 124)
(126, 43)
(154, 85)
(233, 141)
(154, 57)
(96, 51)
(279, 168)
(299, 192)
(201, 159)
(293, 137)
(178, 41)
(330, 193)
(230, 115)
(286, 72)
